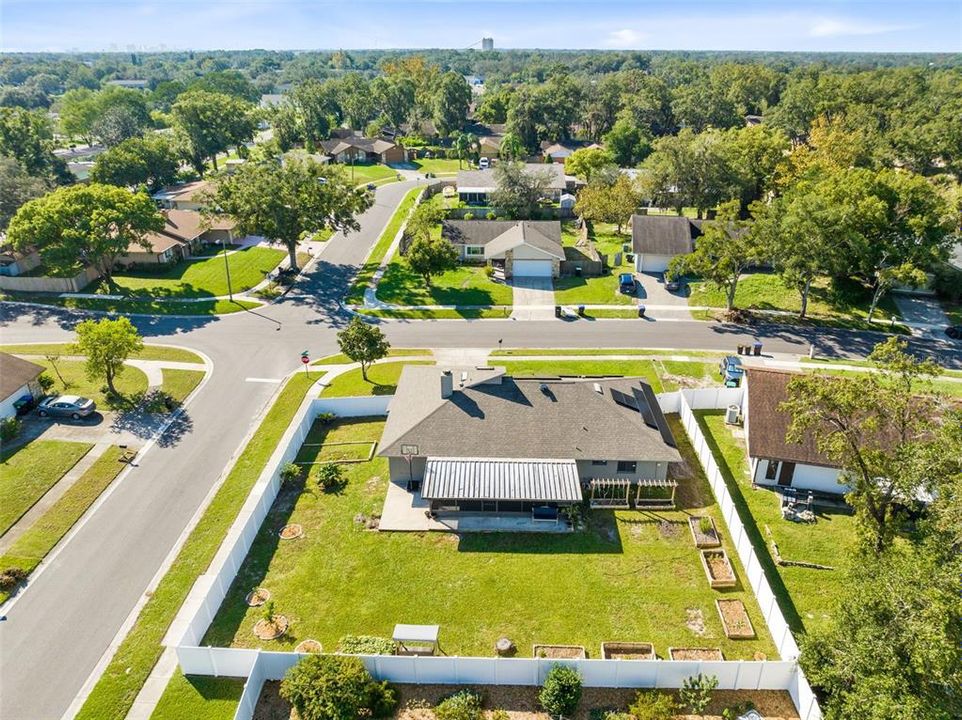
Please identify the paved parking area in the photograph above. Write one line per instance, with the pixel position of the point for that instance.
(115, 428)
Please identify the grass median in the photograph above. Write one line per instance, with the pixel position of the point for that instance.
(136, 307)
(150, 352)
(117, 688)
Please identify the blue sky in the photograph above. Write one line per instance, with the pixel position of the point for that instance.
(883, 25)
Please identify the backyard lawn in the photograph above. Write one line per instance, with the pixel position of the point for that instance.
(382, 380)
(628, 576)
(608, 241)
(805, 595)
(198, 696)
(198, 278)
(28, 471)
(465, 285)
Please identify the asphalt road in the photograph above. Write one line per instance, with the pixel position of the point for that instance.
(63, 622)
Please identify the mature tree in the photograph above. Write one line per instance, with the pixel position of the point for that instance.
(314, 108)
(105, 114)
(464, 144)
(92, 223)
(286, 203)
(754, 153)
(523, 117)
(26, 136)
(211, 123)
(585, 162)
(228, 82)
(727, 247)
(150, 161)
(511, 147)
(355, 100)
(17, 187)
(831, 146)
(702, 105)
(394, 97)
(878, 427)
(493, 106)
(78, 111)
(107, 344)
(451, 103)
(559, 101)
(29, 97)
(613, 203)
(627, 143)
(115, 125)
(429, 256)
(519, 191)
(363, 343)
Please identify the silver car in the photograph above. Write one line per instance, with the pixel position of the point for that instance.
(72, 406)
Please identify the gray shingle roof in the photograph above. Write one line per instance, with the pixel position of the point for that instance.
(663, 234)
(515, 418)
(486, 178)
(487, 479)
(524, 233)
(481, 232)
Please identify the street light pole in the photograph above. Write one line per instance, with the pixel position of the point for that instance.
(230, 292)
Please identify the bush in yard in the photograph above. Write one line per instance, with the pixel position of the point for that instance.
(330, 477)
(736, 711)
(489, 271)
(652, 705)
(383, 700)
(704, 525)
(327, 418)
(45, 381)
(366, 645)
(290, 473)
(11, 577)
(696, 692)
(469, 216)
(561, 691)
(10, 428)
(463, 705)
(331, 687)
(491, 216)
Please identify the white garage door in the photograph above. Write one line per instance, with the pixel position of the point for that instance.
(653, 263)
(532, 268)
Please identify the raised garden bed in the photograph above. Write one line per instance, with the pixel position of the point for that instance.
(290, 532)
(264, 630)
(735, 620)
(257, 597)
(628, 651)
(703, 535)
(695, 653)
(309, 646)
(560, 652)
(718, 568)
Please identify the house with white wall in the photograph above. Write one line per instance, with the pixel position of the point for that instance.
(18, 380)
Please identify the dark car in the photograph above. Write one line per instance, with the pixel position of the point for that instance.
(954, 331)
(626, 284)
(372, 187)
(731, 370)
(72, 406)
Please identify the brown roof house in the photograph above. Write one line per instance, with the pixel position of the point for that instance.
(775, 461)
(18, 380)
(185, 196)
(184, 233)
(656, 239)
(361, 149)
(525, 248)
(474, 440)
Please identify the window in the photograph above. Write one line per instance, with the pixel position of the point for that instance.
(473, 250)
(627, 466)
(601, 463)
(771, 472)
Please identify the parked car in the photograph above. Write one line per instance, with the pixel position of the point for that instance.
(626, 284)
(731, 370)
(372, 187)
(954, 331)
(484, 163)
(72, 406)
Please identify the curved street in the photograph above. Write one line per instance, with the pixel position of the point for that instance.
(62, 623)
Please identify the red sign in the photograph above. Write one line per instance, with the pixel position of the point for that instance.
(305, 359)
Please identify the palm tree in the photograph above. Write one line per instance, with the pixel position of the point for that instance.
(461, 144)
(511, 147)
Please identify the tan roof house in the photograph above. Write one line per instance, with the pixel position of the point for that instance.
(185, 231)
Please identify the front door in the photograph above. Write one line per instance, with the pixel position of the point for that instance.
(785, 474)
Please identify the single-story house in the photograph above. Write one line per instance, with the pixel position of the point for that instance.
(185, 196)
(362, 149)
(774, 461)
(477, 440)
(185, 231)
(14, 262)
(526, 248)
(656, 239)
(474, 186)
(557, 151)
(18, 380)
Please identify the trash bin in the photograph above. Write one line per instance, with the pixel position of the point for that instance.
(577, 271)
(641, 311)
(557, 311)
(741, 349)
(581, 310)
(758, 348)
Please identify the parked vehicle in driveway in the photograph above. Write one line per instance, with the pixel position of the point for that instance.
(626, 284)
(731, 370)
(954, 331)
(72, 406)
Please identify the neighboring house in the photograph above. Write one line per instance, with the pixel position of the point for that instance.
(18, 380)
(477, 440)
(13, 262)
(185, 196)
(364, 150)
(489, 138)
(474, 186)
(184, 233)
(774, 461)
(526, 248)
(656, 239)
(489, 147)
(557, 151)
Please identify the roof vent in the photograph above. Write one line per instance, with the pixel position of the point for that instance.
(597, 387)
(544, 388)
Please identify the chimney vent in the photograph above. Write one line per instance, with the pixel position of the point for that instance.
(447, 384)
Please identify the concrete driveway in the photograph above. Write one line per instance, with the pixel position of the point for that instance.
(651, 291)
(533, 298)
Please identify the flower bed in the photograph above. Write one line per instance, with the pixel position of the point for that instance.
(718, 568)
(560, 652)
(695, 653)
(628, 651)
(735, 620)
(704, 536)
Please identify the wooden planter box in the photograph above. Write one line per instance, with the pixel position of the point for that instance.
(695, 653)
(735, 620)
(560, 652)
(628, 651)
(703, 540)
(718, 568)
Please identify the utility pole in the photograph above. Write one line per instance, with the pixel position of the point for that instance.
(230, 292)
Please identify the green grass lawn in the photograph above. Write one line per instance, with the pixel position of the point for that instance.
(43, 535)
(356, 294)
(465, 285)
(805, 596)
(113, 695)
(627, 576)
(598, 351)
(369, 173)
(131, 382)
(181, 383)
(198, 696)
(547, 368)
(843, 303)
(497, 312)
(29, 471)
(601, 290)
(136, 307)
(569, 233)
(342, 359)
(150, 352)
(382, 380)
(609, 241)
(198, 278)
(440, 166)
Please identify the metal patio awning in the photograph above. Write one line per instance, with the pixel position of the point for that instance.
(531, 480)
